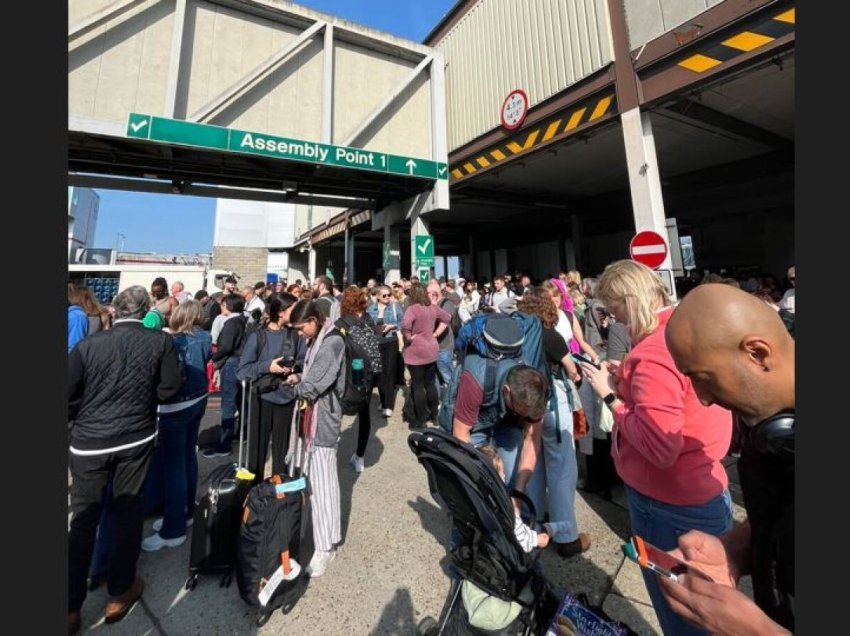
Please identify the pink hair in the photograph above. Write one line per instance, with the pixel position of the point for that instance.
(566, 301)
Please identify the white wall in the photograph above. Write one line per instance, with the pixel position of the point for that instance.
(253, 224)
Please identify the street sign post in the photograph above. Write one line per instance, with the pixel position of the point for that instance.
(649, 248)
(175, 131)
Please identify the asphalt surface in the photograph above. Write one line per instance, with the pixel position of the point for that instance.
(390, 571)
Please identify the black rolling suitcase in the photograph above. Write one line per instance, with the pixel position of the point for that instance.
(215, 525)
(275, 542)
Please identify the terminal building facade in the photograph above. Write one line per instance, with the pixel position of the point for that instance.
(531, 135)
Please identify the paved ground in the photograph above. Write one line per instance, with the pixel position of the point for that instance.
(389, 573)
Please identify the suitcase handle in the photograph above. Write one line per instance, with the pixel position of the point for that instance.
(245, 417)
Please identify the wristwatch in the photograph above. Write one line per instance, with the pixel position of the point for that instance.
(609, 399)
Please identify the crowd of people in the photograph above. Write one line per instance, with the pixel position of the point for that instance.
(660, 385)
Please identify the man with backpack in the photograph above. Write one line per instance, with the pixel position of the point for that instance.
(499, 392)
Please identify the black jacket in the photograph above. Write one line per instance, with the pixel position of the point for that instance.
(116, 379)
(230, 340)
(767, 484)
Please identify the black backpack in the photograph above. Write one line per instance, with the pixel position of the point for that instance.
(362, 344)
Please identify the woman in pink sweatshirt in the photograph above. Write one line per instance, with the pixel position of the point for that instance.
(666, 445)
(422, 324)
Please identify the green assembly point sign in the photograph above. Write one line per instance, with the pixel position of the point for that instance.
(424, 246)
(205, 136)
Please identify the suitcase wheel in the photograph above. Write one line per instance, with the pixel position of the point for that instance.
(263, 618)
(191, 582)
(226, 580)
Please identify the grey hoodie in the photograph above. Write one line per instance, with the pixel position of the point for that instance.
(322, 383)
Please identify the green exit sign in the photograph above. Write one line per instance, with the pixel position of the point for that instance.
(176, 131)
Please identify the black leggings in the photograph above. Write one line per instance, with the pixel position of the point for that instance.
(423, 391)
(364, 426)
(388, 378)
(268, 420)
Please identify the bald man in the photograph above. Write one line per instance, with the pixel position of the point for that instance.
(737, 353)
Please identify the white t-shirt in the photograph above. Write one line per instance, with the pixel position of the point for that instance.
(564, 326)
(788, 300)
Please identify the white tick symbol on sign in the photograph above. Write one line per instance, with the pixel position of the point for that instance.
(139, 125)
(442, 170)
(424, 247)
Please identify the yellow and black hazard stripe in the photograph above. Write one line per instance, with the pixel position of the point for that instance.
(561, 125)
(766, 30)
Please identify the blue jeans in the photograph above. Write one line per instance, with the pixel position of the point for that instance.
(231, 391)
(176, 465)
(560, 469)
(661, 525)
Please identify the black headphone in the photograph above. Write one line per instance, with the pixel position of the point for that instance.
(775, 435)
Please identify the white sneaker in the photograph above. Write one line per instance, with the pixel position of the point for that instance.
(156, 542)
(387, 412)
(357, 463)
(319, 562)
(157, 525)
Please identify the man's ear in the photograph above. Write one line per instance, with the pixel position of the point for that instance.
(759, 351)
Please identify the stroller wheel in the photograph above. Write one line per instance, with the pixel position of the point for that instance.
(428, 626)
(262, 619)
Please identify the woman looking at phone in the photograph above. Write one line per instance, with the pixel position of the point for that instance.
(271, 352)
(321, 384)
(666, 445)
(387, 315)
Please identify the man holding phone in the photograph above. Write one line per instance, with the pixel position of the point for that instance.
(738, 354)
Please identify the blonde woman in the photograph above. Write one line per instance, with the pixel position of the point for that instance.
(666, 445)
(469, 304)
(174, 469)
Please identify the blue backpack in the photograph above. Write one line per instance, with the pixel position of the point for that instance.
(489, 346)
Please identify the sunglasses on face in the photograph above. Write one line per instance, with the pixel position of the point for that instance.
(385, 295)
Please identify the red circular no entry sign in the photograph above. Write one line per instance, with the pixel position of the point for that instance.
(648, 248)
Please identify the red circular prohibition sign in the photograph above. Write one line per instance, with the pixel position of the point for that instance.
(649, 248)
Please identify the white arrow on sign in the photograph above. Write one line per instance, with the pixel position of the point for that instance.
(424, 247)
(411, 164)
(139, 125)
(441, 171)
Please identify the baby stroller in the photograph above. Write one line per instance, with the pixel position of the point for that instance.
(465, 484)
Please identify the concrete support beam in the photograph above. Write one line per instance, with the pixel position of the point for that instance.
(311, 263)
(328, 91)
(174, 59)
(392, 243)
(644, 176)
(418, 227)
(109, 12)
(439, 138)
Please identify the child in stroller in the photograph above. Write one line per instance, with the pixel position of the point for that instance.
(501, 588)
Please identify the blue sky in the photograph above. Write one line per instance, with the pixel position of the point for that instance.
(181, 224)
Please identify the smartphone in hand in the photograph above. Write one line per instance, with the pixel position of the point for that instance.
(580, 358)
(658, 561)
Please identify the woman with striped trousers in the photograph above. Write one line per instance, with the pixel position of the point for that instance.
(321, 383)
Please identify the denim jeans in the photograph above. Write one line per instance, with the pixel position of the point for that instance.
(445, 366)
(560, 469)
(177, 463)
(231, 391)
(661, 525)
